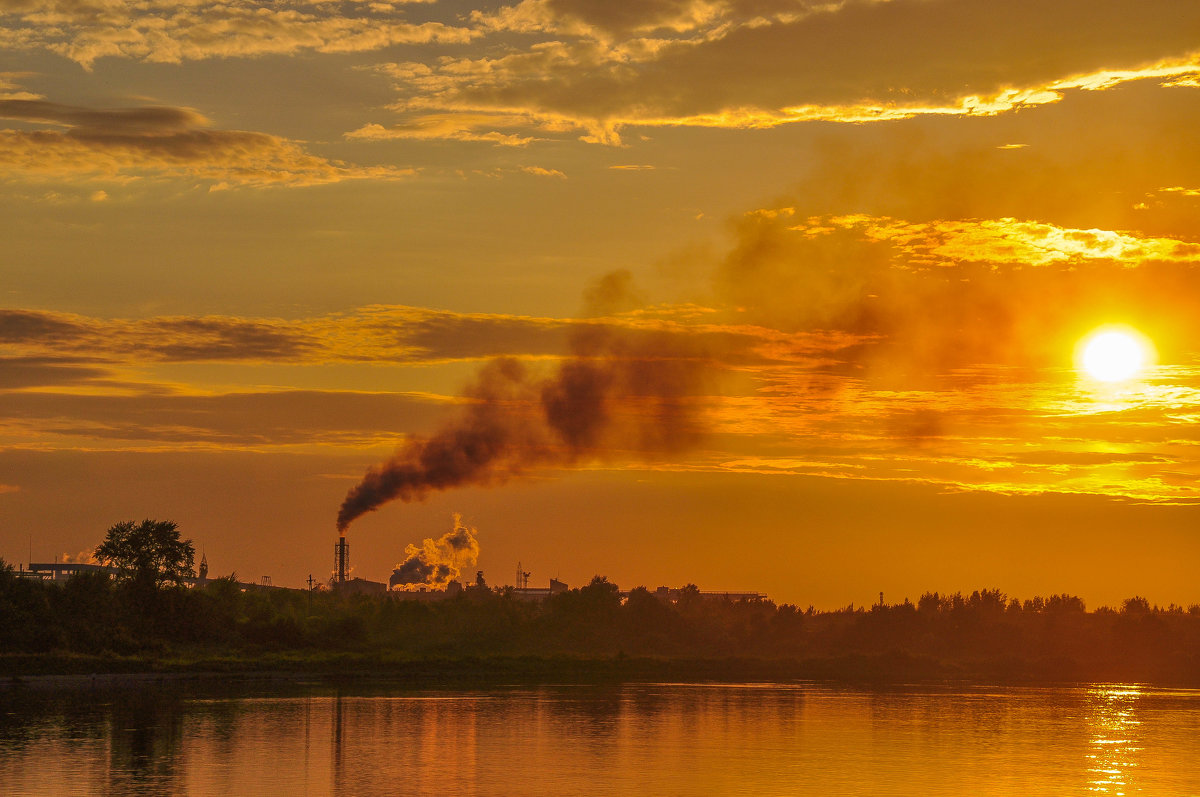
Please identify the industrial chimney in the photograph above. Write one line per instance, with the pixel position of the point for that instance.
(341, 561)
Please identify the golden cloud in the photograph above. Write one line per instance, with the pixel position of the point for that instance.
(828, 292)
(377, 334)
(261, 419)
(539, 171)
(173, 31)
(127, 144)
(758, 65)
(1009, 241)
(449, 127)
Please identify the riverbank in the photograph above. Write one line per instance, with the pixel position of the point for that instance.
(81, 671)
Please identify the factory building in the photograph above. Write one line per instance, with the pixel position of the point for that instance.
(528, 593)
(61, 572)
(342, 581)
(480, 586)
(673, 595)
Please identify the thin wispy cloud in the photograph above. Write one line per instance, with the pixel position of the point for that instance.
(121, 145)
(174, 31)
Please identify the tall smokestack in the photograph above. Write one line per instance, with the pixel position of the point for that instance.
(341, 560)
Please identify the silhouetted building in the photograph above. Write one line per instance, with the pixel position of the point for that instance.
(673, 595)
(360, 586)
(539, 593)
(61, 571)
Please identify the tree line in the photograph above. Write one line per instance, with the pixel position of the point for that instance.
(148, 611)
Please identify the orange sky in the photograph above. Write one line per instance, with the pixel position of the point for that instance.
(791, 290)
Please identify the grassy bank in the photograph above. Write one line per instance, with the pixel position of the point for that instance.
(467, 672)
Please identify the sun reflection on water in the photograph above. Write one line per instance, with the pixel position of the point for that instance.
(1114, 749)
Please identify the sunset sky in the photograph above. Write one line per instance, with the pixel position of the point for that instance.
(833, 262)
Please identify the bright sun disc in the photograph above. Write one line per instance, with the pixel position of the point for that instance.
(1114, 355)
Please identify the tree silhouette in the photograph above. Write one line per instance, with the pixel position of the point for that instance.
(149, 554)
(1135, 605)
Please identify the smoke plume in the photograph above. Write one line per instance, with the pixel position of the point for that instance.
(621, 392)
(437, 562)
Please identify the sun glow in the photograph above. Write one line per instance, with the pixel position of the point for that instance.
(1114, 354)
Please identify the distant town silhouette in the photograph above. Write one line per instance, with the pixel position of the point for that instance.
(100, 618)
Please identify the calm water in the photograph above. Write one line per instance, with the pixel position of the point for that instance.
(654, 739)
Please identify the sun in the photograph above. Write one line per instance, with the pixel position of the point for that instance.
(1114, 354)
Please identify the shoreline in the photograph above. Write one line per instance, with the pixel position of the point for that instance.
(74, 673)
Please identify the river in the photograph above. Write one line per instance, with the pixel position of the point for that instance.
(649, 739)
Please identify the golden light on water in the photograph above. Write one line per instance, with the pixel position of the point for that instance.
(1116, 749)
(1114, 354)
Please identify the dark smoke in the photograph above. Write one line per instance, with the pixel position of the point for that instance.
(437, 562)
(621, 392)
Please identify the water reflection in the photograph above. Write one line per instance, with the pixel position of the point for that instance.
(679, 739)
(145, 737)
(1115, 746)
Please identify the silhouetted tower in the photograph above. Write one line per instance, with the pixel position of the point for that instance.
(522, 577)
(203, 569)
(341, 561)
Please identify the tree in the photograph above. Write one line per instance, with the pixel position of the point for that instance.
(601, 594)
(148, 554)
(1135, 605)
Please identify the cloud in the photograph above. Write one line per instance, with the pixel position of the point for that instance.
(231, 420)
(609, 66)
(93, 381)
(1086, 166)
(958, 368)
(549, 68)
(158, 339)
(398, 334)
(17, 326)
(853, 346)
(538, 171)
(826, 298)
(146, 120)
(1030, 436)
(173, 31)
(1012, 242)
(10, 88)
(380, 334)
(449, 127)
(191, 339)
(929, 298)
(27, 372)
(605, 20)
(156, 142)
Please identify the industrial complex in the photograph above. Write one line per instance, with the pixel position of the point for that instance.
(342, 582)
